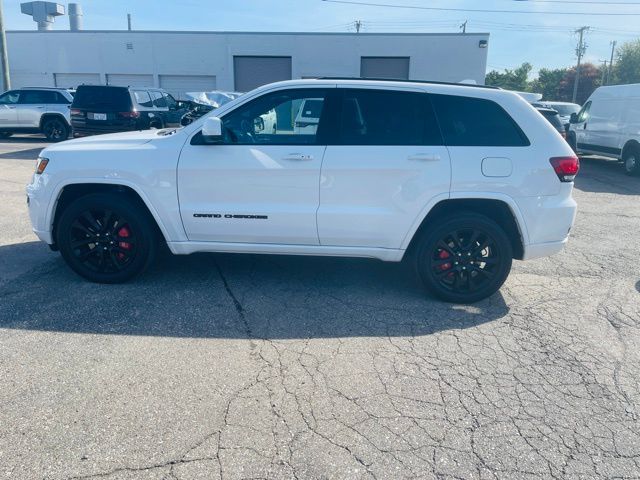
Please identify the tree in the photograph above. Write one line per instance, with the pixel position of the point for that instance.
(517, 79)
(548, 82)
(627, 65)
(590, 77)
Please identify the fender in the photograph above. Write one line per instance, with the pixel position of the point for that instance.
(513, 206)
(168, 233)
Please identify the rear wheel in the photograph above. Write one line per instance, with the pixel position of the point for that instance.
(55, 129)
(631, 161)
(464, 259)
(106, 238)
(573, 143)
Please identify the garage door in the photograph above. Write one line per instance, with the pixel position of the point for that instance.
(385, 67)
(178, 85)
(251, 72)
(128, 80)
(72, 80)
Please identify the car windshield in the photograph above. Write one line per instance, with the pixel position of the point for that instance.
(105, 98)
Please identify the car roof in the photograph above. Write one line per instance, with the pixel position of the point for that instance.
(45, 88)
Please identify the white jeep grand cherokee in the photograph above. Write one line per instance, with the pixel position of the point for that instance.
(464, 178)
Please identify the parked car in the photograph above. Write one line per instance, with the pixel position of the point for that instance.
(553, 118)
(609, 125)
(98, 109)
(36, 110)
(458, 179)
(564, 109)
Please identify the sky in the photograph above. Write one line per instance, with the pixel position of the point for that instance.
(543, 34)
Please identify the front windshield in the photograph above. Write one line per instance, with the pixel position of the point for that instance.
(566, 110)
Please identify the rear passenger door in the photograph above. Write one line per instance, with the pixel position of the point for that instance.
(384, 166)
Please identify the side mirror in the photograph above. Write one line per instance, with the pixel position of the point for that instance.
(573, 118)
(212, 130)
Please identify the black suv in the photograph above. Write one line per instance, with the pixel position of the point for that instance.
(100, 109)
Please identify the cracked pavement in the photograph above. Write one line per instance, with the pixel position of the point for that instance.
(230, 366)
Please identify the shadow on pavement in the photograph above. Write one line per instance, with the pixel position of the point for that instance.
(602, 175)
(28, 154)
(231, 296)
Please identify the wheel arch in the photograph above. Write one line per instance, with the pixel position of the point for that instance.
(629, 145)
(503, 212)
(48, 115)
(71, 191)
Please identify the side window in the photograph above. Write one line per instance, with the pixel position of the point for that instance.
(59, 98)
(142, 98)
(385, 117)
(287, 117)
(170, 101)
(10, 98)
(583, 115)
(468, 121)
(37, 97)
(158, 100)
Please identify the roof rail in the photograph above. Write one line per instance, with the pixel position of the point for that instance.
(44, 88)
(432, 82)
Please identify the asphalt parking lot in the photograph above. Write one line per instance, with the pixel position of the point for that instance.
(230, 366)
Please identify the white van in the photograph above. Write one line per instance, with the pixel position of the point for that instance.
(609, 125)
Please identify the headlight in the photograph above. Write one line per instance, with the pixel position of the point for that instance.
(41, 164)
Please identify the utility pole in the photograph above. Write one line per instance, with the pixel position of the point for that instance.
(358, 24)
(4, 60)
(463, 27)
(580, 52)
(129, 21)
(604, 72)
(613, 49)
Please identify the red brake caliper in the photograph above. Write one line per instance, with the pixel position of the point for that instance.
(123, 232)
(444, 255)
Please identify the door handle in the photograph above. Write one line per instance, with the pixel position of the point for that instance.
(425, 157)
(11, 108)
(585, 127)
(298, 157)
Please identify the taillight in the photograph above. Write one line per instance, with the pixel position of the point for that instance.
(76, 111)
(132, 114)
(565, 167)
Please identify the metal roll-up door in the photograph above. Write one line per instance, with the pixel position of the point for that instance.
(251, 72)
(130, 80)
(72, 80)
(178, 85)
(385, 67)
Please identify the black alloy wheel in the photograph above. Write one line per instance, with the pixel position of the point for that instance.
(55, 129)
(106, 238)
(465, 259)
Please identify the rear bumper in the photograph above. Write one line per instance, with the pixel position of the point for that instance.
(539, 250)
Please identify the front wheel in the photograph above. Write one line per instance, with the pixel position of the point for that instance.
(55, 129)
(631, 161)
(464, 259)
(106, 238)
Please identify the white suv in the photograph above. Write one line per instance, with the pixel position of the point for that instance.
(36, 110)
(464, 178)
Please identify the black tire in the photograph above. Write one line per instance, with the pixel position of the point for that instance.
(5, 134)
(631, 161)
(106, 238)
(468, 269)
(55, 129)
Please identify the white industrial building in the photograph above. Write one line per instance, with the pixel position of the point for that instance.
(237, 61)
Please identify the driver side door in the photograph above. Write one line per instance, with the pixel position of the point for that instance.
(261, 184)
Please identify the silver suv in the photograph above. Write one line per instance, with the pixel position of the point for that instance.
(36, 110)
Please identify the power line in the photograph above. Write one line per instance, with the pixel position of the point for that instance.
(580, 51)
(578, 1)
(443, 9)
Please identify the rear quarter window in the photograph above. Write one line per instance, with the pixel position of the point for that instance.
(142, 98)
(476, 122)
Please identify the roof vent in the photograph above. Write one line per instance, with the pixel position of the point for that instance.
(43, 13)
(129, 46)
(75, 17)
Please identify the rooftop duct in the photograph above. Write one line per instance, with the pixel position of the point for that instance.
(75, 16)
(43, 13)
